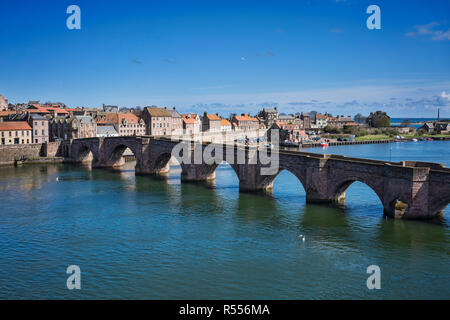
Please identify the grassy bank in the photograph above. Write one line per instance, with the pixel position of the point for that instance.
(373, 137)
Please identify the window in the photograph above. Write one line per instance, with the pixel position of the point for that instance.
(23, 141)
(17, 133)
(42, 123)
(3, 134)
(35, 132)
(36, 140)
(28, 140)
(43, 132)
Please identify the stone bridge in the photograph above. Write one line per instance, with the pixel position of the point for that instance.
(410, 190)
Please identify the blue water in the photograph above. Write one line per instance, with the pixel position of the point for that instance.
(135, 237)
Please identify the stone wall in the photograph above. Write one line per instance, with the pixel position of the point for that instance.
(10, 153)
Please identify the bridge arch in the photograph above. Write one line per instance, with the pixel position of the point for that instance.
(84, 152)
(339, 188)
(114, 154)
(161, 163)
(439, 207)
(300, 177)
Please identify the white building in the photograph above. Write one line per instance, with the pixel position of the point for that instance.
(3, 103)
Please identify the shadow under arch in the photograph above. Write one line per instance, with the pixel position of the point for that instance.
(441, 208)
(117, 156)
(205, 174)
(85, 155)
(161, 165)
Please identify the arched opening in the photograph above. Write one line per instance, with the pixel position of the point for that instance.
(85, 155)
(226, 177)
(442, 209)
(120, 155)
(162, 163)
(286, 186)
(360, 198)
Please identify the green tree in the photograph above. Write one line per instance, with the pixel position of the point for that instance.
(379, 119)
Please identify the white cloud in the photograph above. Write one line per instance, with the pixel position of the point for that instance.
(430, 29)
(445, 95)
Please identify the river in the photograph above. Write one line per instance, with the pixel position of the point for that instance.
(135, 237)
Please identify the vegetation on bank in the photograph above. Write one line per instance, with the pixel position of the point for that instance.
(370, 134)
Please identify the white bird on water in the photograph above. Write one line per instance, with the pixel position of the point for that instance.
(57, 178)
(302, 237)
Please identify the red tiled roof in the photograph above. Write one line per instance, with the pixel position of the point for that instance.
(189, 121)
(224, 122)
(213, 117)
(14, 125)
(129, 117)
(6, 113)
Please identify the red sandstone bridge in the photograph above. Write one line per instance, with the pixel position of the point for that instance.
(407, 189)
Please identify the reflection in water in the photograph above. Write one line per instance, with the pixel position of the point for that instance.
(140, 237)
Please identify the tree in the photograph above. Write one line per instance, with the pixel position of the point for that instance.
(378, 119)
(359, 118)
(405, 123)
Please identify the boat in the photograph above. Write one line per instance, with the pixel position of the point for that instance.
(324, 144)
(414, 139)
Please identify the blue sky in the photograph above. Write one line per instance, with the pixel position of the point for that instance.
(230, 56)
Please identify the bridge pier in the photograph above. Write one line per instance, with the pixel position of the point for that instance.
(198, 172)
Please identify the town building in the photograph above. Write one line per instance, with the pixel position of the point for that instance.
(268, 115)
(211, 122)
(288, 132)
(15, 132)
(3, 103)
(190, 124)
(320, 121)
(245, 122)
(177, 122)
(225, 125)
(111, 109)
(39, 125)
(76, 127)
(107, 131)
(125, 124)
(436, 127)
(158, 121)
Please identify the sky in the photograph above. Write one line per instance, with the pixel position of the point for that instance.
(230, 56)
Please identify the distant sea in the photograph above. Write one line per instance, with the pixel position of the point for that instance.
(398, 121)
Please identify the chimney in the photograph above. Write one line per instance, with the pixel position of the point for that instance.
(205, 114)
(174, 108)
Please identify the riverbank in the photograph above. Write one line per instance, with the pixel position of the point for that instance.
(405, 136)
